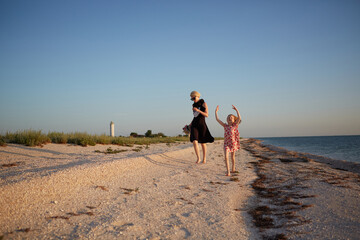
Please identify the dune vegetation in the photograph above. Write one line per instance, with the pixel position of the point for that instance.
(38, 138)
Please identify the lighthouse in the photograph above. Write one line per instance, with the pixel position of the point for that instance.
(112, 129)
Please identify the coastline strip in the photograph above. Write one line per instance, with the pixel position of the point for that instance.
(301, 197)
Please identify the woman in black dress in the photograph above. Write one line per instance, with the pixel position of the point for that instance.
(199, 132)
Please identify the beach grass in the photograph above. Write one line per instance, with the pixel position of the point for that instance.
(27, 137)
(38, 138)
(2, 141)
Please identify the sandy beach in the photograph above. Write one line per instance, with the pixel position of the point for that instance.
(69, 192)
(158, 192)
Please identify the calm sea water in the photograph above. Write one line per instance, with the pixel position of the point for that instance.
(335, 147)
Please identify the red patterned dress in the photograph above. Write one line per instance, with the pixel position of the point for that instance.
(231, 138)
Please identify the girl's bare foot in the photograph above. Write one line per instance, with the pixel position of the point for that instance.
(228, 174)
(198, 161)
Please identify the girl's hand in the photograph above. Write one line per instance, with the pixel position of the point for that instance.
(217, 118)
(238, 120)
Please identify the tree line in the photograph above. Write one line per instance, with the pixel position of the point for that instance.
(148, 134)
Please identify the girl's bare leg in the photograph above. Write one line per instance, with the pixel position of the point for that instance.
(203, 145)
(196, 147)
(226, 153)
(233, 161)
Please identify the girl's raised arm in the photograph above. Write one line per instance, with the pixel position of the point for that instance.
(217, 118)
(238, 120)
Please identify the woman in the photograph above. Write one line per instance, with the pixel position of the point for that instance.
(199, 132)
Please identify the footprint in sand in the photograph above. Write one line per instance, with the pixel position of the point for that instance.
(207, 190)
(102, 188)
(187, 214)
(186, 232)
(187, 187)
(218, 183)
(121, 225)
(185, 200)
(129, 191)
(15, 164)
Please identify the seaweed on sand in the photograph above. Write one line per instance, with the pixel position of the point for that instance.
(281, 190)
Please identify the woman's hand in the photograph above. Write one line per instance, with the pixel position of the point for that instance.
(217, 109)
(234, 108)
(204, 113)
(196, 109)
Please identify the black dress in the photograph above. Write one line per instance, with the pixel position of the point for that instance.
(199, 130)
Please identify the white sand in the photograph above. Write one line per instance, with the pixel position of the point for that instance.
(173, 197)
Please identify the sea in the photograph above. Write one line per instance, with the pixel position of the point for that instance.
(336, 147)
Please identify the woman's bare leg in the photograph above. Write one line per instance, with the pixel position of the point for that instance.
(203, 145)
(196, 147)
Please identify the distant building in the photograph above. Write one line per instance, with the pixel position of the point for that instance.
(112, 129)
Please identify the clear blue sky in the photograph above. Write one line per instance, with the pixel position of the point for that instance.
(291, 67)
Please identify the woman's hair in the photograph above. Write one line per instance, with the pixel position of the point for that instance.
(235, 117)
(194, 94)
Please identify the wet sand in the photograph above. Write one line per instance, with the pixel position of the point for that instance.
(304, 196)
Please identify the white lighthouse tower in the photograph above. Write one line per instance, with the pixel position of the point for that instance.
(112, 129)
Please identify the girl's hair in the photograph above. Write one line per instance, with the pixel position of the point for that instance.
(235, 117)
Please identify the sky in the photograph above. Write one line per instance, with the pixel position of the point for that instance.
(292, 68)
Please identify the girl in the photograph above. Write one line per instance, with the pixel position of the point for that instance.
(199, 132)
(231, 137)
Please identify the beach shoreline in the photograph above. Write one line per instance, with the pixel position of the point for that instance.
(334, 163)
(304, 196)
(158, 192)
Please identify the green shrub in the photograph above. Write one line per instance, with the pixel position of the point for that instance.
(28, 137)
(57, 137)
(111, 151)
(148, 133)
(82, 139)
(2, 141)
(124, 141)
(103, 139)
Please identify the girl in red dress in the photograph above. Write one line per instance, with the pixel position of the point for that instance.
(231, 137)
